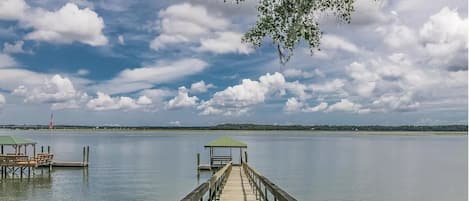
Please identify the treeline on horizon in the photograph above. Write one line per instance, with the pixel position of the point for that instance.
(257, 127)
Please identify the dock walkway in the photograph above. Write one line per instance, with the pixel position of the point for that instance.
(237, 187)
(235, 183)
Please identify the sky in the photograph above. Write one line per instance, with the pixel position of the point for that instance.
(182, 63)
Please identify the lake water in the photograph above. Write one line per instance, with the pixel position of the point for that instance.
(316, 166)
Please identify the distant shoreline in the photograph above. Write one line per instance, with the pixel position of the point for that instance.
(251, 127)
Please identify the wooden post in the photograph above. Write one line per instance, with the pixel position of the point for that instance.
(26, 150)
(84, 154)
(211, 156)
(42, 149)
(240, 156)
(246, 156)
(198, 164)
(87, 155)
(198, 160)
(48, 149)
(34, 150)
(2, 149)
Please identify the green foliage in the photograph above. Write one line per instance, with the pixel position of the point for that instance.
(287, 22)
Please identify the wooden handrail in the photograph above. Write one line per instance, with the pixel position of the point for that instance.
(258, 181)
(213, 186)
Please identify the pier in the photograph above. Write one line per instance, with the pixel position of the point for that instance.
(233, 182)
(20, 162)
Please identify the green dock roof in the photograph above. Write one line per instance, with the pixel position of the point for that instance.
(227, 142)
(13, 140)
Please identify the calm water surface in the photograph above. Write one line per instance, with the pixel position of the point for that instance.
(330, 166)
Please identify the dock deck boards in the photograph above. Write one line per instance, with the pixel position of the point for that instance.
(237, 187)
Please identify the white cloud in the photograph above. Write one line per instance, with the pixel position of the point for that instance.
(344, 105)
(334, 42)
(444, 37)
(320, 107)
(335, 85)
(398, 36)
(121, 40)
(191, 25)
(83, 72)
(402, 103)
(369, 12)
(364, 79)
(12, 9)
(135, 79)
(6, 61)
(65, 25)
(58, 91)
(144, 100)
(105, 102)
(200, 87)
(156, 96)
(238, 99)
(298, 73)
(182, 100)
(225, 42)
(17, 47)
(294, 105)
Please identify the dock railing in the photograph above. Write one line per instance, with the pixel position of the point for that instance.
(212, 188)
(263, 187)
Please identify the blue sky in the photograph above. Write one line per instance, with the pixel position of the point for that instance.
(183, 63)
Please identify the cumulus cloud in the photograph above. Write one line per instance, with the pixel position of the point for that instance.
(182, 100)
(7, 61)
(130, 80)
(444, 37)
(17, 47)
(238, 99)
(65, 25)
(105, 102)
(225, 42)
(345, 105)
(12, 9)
(398, 36)
(58, 91)
(294, 105)
(200, 87)
(193, 24)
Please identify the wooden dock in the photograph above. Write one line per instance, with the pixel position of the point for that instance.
(237, 187)
(233, 183)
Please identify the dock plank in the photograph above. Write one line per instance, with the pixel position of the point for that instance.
(237, 187)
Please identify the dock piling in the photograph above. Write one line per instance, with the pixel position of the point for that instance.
(246, 156)
(87, 155)
(84, 154)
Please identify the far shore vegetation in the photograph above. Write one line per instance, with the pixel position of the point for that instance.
(254, 127)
